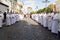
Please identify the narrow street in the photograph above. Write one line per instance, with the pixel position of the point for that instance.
(26, 29)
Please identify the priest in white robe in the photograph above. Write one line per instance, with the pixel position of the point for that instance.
(36, 17)
(8, 19)
(55, 23)
(42, 18)
(45, 20)
(39, 18)
(1, 19)
(13, 18)
(50, 16)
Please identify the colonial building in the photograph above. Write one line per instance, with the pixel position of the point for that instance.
(19, 6)
(4, 5)
(52, 7)
(13, 5)
(7, 4)
(58, 5)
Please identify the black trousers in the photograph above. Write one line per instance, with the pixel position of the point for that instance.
(4, 20)
(59, 34)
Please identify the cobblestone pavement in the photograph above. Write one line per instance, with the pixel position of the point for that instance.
(26, 29)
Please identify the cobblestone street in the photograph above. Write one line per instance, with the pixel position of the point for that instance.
(26, 29)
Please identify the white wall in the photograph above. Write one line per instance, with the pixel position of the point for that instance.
(57, 5)
(3, 8)
(6, 2)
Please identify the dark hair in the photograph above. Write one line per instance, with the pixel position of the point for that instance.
(4, 12)
(4, 15)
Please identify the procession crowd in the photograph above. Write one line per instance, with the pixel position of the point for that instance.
(49, 20)
(10, 18)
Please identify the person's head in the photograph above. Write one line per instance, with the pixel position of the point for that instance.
(51, 12)
(56, 12)
(4, 12)
(0, 11)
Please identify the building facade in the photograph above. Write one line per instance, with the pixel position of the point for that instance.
(19, 6)
(52, 7)
(58, 5)
(13, 5)
(7, 4)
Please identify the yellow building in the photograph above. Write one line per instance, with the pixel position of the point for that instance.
(52, 7)
(13, 5)
(58, 5)
(18, 7)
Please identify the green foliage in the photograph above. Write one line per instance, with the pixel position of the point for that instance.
(44, 10)
(48, 10)
(33, 12)
(21, 6)
(15, 0)
(41, 10)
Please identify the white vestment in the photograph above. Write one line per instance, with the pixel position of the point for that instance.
(1, 20)
(8, 20)
(21, 17)
(55, 24)
(13, 18)
(42, 18)
(45, 20)
(17, 17)
(36, 17)
(39, 18)
(50, 16)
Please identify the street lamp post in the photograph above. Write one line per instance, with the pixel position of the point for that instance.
(46, 1)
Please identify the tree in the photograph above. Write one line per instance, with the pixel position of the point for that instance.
(21, 6)
(33, 12)
(41, 10)
(15, 0)
(48, 10)
(44, 10)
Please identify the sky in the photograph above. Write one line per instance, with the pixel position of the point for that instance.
(35, 4)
